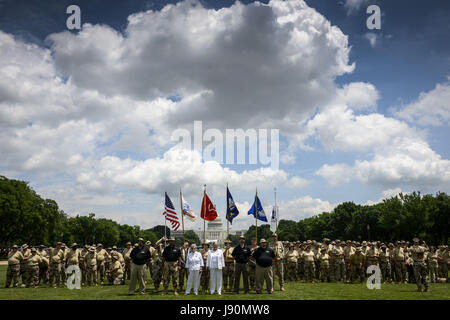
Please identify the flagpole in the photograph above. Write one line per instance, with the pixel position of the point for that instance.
(276, 211)
(204, 211)
(182, 214)
(165, 223)
(227, 216)
(256, 215)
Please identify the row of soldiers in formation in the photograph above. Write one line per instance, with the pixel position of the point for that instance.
(310, 261)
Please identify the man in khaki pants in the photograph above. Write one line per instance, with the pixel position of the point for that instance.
(264, 257)
(139, 256)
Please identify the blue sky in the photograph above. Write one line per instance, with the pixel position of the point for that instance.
(90, 118)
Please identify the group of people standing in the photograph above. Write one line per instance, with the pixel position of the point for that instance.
(215, 268)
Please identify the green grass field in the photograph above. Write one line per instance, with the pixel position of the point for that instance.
(294, 291)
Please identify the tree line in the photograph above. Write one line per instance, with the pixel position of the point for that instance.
(25, 217)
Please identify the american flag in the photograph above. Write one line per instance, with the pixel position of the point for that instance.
(171, 214)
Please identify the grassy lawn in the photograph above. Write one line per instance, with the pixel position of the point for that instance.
(294, 291)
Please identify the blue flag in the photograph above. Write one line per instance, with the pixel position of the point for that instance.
(232, 211)
(261, 214)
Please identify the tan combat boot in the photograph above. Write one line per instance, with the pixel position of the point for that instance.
(175, 292)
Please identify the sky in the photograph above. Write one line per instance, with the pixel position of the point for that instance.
(87, 116)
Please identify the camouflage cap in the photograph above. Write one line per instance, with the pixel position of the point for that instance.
(114, 247)
(109, 248)
(205, 244)
(115, 256)
(140, 240)
(332, 242)
(99, 245)
(59, 243)
(227, 241)
(74, 245)
(86, 246)
(41, 246)
(136, 245)
(63, 244)
(128, 243)
(274, 235)
(262, 240)
(241, 237)
(358, 249)
(148, 243)
(323, 249)
(364, 243)
(349, 241)
(91, 249)
(15, 246)
(24, 246)
(416, 240)
(171, 239)
(337, 241)
(308, 242)
(33, 250)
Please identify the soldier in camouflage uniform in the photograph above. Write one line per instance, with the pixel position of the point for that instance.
(33, 269)
(183, 271)
(277, 266)
(385, 264)
(43, 266)
(171, 259)
(101, 256)
(348, 251)
(285, 250)
(420, 271)
(251, 265)
(157, 267)
(56, 255)
(82, 264)
(338, 262)
(291, 258)
(357, 265)
(63, 264)
(228, 270)
(308, 262)
(399, 259)
(204, 278)
(23, 264)
(432, 263)
(126, 256)
(90, 260)
(13, 271)
(324, 263)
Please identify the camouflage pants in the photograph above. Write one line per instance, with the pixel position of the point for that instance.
(332, 268)
(182, 273)
(348, 272)
(317, 269)
(204, 279)
(91, 274)
(278, 271)
(285, 270)
(310, 269)
(300, 271)
(170, 273)
(32, 276)
(291, 271)
(115, 280)
(339, 270)
(228, 276)
(385, 271)
(420, 274)
(127, 270)
(12, 275)
(101, 270)
(54, 273)
(63, 272)
(23, 273)
(43, 274)
(433, 269)
(251, 267)
(324, 272)
(157, 271)
(83, 273)
(400, 271)
(358, 272)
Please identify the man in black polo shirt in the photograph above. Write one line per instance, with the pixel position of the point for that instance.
(139, 256)
(171, 260)
(264, 257)
(241, 254)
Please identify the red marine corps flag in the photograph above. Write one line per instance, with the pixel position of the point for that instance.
(208, 212)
